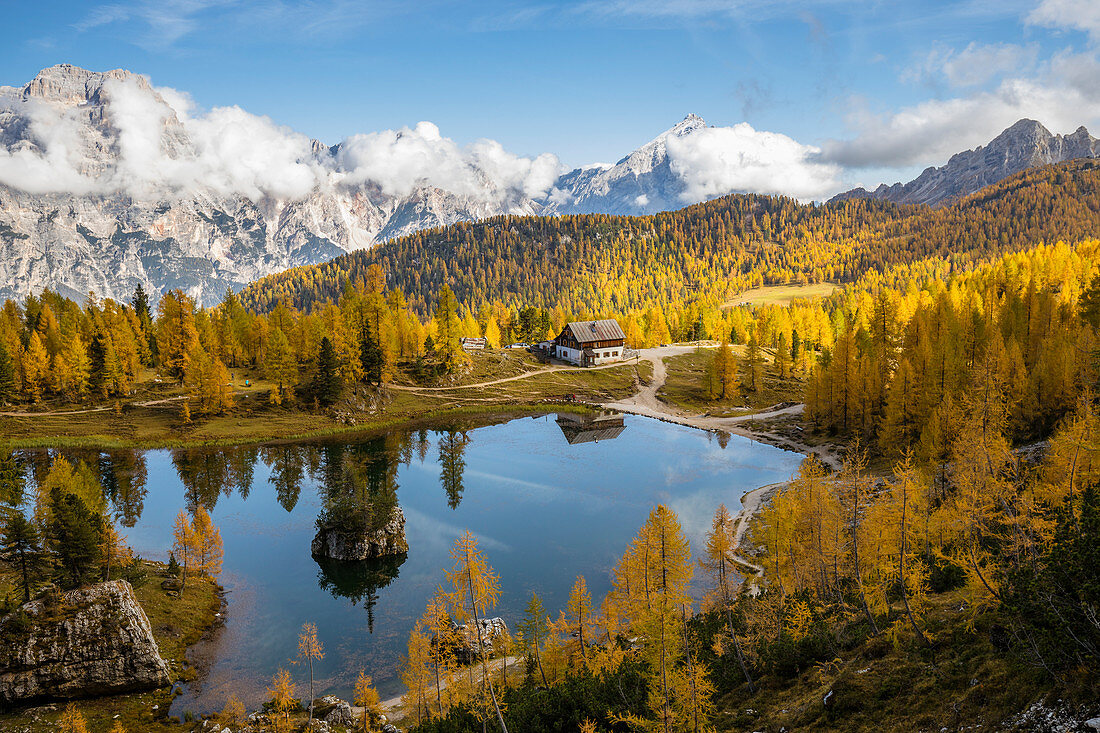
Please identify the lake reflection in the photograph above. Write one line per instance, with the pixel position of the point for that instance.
(547, 500)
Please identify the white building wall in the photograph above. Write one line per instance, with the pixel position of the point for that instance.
(573, 356)
(604, 355)
(609, 354)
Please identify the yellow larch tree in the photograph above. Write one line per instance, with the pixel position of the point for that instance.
(310, 650)
(475, 590)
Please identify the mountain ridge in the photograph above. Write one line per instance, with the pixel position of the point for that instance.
(107, 182)
(91, 215)
(1025, 144)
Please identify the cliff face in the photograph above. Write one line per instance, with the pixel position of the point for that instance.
(339, 544)
(90, 641)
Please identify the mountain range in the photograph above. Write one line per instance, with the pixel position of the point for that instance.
(1027, 144)
(83, 207)
(107, 182)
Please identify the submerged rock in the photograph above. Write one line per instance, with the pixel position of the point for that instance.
(90, 641)
(354, 543)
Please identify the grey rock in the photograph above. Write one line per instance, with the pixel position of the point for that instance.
(341, 714)
(335, 543)
(90, 641)
(471, 644)
(1027, 144)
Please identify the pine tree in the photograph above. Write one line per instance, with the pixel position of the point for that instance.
(233, 713)
(97, 365)
(7, 374)
(782, 362)
(718, 561)
(72, 721)
(208, 381)
(371, 357)
(532, 631)
(280, 366)
(446, 317)
(326, 386)
(12, 480)
(207, 544)
(74, 537)
(416, 674)
(576, 624)
(754, 360)
(21, 548)
(282, 698)
(184, 545)
(367, 697)
(177, 336)
(140, 303)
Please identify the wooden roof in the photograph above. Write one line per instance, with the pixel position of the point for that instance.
(586, 332)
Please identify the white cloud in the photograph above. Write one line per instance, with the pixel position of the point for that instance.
(1083, 15)
(47, 159)
(402, 160)
(719, 160)
(165, 148)
(974, 65)
(1065, 95)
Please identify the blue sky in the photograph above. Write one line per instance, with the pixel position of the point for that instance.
(882, 88)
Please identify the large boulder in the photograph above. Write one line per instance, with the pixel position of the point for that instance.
(340, 543)
(90, 641)
(469, 644)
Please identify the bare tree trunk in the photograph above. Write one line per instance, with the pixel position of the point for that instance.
(310, 723)
(538, 659)
(481, 649)
(901, 571)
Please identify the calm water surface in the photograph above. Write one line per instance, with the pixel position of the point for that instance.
(545, 502)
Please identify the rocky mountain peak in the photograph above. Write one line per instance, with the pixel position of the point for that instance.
(71, 85)
(1025, 144)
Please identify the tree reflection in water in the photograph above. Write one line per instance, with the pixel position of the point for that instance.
(452, 464)
(359, 581)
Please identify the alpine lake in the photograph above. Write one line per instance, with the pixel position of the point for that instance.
(548, 498)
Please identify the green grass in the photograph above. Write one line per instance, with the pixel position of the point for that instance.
(781, 294)
(253, 420)
(685, 386)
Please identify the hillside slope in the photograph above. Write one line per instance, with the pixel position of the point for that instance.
(709, 252)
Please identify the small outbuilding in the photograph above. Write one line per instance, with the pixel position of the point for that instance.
(473, 343)
(588, 343)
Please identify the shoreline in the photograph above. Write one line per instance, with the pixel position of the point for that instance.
(370, 428)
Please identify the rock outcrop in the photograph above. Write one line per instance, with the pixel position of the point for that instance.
(469, 644)
(90, 641)
(343, 543)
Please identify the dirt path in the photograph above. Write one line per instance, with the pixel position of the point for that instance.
(647, 404)
(104, 408)
(502, 380)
